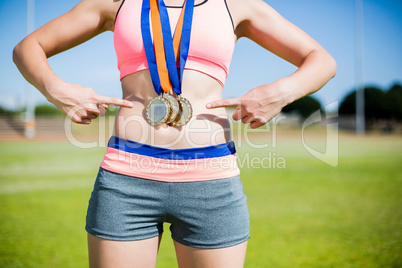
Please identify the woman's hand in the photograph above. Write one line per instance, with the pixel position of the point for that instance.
(86, 20)
(258, 106)
(259, 22)
(81, 104)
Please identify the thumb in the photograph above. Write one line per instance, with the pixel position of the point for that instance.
(223, 103)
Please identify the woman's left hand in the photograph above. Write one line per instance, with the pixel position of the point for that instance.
(258, 106)
(262, 24)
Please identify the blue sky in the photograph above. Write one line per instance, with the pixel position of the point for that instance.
(330, 22)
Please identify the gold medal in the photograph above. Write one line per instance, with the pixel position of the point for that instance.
(185, 113)
(174, 107)
(157, 111)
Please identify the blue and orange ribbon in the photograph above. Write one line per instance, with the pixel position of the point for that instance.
(166, 50)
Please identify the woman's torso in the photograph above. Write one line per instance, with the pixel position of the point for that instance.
(200, 85)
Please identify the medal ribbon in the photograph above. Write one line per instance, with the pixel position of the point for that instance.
(167, 50)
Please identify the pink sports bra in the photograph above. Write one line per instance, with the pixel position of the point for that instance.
(211, 45)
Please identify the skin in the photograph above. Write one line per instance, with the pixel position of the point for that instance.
(253, 19)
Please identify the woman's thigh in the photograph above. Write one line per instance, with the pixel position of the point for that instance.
(189, 257)
(120, 254)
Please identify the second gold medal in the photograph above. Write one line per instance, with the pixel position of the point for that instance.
(185, 114)
(174, 107)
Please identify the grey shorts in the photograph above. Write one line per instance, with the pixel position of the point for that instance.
(205, 214)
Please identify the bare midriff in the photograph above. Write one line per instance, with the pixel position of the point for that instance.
(207, 126)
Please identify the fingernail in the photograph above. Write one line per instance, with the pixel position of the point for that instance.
(209, 105)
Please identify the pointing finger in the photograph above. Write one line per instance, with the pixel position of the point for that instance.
(115, 102)
(223, 103)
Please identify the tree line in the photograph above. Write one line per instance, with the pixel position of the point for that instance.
(379, 105)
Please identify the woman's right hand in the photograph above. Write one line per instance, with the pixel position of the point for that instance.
(86, 20)
(81, 104)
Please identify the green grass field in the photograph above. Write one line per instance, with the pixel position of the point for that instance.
(304, 213)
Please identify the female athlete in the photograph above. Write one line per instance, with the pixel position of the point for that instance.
(170, 158)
